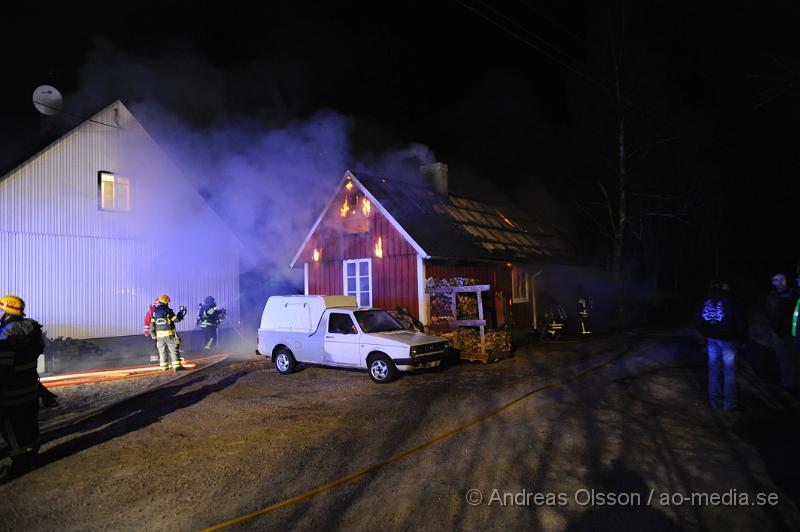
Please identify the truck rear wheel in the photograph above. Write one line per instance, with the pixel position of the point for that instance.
(381, 369)
(285, 362)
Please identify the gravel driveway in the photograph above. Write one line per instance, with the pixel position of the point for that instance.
(237, 437)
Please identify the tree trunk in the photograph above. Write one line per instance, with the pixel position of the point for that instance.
(617, 261)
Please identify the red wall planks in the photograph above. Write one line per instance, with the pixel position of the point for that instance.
(394, 276)
(336, 238)
(496, 275)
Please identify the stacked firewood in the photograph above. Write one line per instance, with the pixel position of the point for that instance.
(468, 340)
(466, 304)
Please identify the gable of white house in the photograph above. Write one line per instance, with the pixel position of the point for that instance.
(89, 259)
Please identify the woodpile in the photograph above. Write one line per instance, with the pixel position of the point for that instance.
(468, 341)
(457, 314)
(466, 304)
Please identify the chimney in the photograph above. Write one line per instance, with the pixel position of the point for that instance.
(436, 175)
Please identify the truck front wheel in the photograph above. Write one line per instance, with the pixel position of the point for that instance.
(381, 369)
(285, 362)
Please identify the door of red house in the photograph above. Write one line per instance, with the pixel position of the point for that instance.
(500, 308)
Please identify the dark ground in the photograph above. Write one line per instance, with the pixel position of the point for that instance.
(621, 415)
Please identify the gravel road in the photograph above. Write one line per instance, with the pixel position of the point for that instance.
(237, 437)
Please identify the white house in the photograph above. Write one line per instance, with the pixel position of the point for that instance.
(100, 222)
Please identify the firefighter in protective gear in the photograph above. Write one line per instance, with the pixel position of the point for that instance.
(209, 316)
(162, 330)
(21, 343)
(149, 316)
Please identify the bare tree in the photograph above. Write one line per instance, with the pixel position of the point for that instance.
(626, 195)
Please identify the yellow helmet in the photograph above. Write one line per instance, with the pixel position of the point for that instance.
(11, 304)
(164, 299)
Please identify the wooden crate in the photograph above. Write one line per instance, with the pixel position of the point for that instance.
(484, 357)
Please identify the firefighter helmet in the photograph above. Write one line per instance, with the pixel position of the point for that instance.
(11, 304)
(164, 299)
(209, 300)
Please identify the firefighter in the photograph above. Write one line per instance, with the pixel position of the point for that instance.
(584, 307)
(162, 330)
(21, 343)
(149, 316)
(147, 319)
(209, 316)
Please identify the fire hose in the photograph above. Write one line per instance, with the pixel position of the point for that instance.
(103, 375)
(370, 469)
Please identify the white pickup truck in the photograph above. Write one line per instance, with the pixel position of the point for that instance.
(334, 331)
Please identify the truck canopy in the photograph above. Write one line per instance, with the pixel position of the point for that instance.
(300, 313)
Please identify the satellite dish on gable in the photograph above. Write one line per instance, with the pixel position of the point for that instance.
(47, 100)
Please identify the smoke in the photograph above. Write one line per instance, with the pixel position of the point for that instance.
(401, 163)
(267, 176)
(266, 184)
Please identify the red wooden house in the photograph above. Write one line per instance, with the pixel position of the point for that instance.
(379, 239)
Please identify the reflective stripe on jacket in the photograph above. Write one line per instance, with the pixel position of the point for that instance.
(209, 316)
(163, 321)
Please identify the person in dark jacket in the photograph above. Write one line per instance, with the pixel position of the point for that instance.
(209, 316)
(794, 378)
(21, 343)
(780, 307)
(724, 325)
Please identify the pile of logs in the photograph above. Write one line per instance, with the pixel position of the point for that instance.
(466, 304)
(468, 341)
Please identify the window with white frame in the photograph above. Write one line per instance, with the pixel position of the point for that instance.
(519, 285)
(114, 191)
(358, 281)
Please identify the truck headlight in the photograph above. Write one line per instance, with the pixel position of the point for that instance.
(413, 351)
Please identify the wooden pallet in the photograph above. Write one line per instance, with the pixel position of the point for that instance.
(485, 357)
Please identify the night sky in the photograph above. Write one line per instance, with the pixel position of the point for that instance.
(517, 93)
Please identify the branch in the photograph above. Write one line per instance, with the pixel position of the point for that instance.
(780, 64)
(645, 151)
(594, 220)
(679, 217)
(654, 196)
(611, 221)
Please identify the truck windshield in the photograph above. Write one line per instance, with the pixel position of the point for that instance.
(372, 321)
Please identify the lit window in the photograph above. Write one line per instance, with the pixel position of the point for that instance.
(519, 285)
(115, 192)
(358, 281)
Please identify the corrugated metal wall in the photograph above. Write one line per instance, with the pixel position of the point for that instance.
(88, 273)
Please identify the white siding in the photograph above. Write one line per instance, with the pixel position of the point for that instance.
(88, 273)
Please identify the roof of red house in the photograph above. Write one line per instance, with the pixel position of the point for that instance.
(457, 227)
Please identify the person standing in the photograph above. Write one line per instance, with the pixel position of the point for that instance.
(780, 307)
(795, 330)
(163, 331)
(209, 316)
(720, 320)
(21, 343)
(148, 317)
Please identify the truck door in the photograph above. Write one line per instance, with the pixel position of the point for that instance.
(342, 340)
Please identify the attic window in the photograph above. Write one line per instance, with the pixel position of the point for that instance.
(114, 192)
